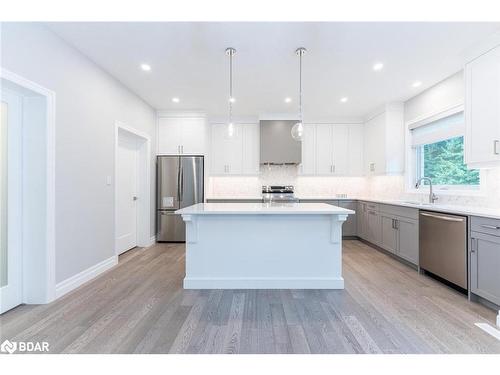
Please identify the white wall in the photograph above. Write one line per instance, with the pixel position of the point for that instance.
(88, 102)
(444, 95)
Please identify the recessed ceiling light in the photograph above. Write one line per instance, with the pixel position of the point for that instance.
(344, 99)
(176, 100)
(146, 67)
(288, 100)
(378, 66)
(416, 84)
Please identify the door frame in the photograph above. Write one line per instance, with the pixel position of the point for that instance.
(36, 291)
(144, 238)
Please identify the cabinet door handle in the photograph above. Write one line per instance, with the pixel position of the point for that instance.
(487, 226)
(473, 245)
(333, 168)
(182, 149)
(495, 147)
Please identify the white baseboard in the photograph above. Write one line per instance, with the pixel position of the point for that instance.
(75, 281)
(152, 241)
(264, 283)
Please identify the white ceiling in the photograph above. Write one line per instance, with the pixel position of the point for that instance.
(188, 62)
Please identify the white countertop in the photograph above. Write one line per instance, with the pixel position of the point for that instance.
(493, 213)
(263, 209)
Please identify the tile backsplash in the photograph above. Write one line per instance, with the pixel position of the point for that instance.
(381, 187)
(305, 186)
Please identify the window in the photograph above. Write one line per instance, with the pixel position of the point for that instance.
(438, 153)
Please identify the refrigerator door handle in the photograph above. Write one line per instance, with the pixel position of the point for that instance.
(181, 189)
(179, 180)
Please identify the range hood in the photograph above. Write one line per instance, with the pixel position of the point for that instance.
(276, 143)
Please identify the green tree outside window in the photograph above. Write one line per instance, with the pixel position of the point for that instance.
(443, 162)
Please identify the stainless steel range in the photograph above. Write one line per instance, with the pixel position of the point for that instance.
(278, 193)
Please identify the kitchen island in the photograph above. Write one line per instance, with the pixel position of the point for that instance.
(264, 246)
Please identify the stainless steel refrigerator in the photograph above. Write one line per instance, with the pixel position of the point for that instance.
(179, 184)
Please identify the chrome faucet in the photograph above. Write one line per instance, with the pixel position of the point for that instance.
(432, 196)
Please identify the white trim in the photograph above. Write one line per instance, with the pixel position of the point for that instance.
(438, 115)
(50, 96)
(264, 283)
(489, 329)
(181, 114)
(152, 241)
(81, 278)
(144, 191)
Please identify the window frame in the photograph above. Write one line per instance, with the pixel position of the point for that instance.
(412, 162)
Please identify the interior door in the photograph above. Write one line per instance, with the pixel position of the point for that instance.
(10, 202)
(126, 192)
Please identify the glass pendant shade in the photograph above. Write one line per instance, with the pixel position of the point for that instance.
(298, 131)
(230, 130)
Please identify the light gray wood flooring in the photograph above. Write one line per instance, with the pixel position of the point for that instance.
(140, 307)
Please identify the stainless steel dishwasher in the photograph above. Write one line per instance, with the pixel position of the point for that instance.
(443, 246)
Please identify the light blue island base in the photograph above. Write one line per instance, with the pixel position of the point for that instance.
(259, 246)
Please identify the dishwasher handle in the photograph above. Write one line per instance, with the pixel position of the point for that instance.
(445, 218)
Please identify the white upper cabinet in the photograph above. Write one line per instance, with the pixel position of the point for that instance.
(182, 135)
(355, 149)
(340, 145)
(236, 154)
(251, 148)
(324, 149)
(482, 110)
(384, 141)
(332, 150)
(308, 164)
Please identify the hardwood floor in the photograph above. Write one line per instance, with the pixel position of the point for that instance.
(140, 307)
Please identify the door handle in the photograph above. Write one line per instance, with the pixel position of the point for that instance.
(134, 198)
(445, 218)
(495, 147)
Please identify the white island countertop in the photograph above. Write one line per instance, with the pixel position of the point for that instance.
(264, 209)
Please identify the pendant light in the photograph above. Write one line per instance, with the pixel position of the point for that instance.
(230, 126)
(298, 128)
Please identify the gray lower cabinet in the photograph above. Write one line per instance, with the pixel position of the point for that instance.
(361, 219)
(485, 259)
(408, 239)
(389, 240)
(373, 226)
(399, 235)
(349, 228)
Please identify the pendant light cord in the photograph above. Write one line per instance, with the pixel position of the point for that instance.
(300, 86)
(230, 87)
